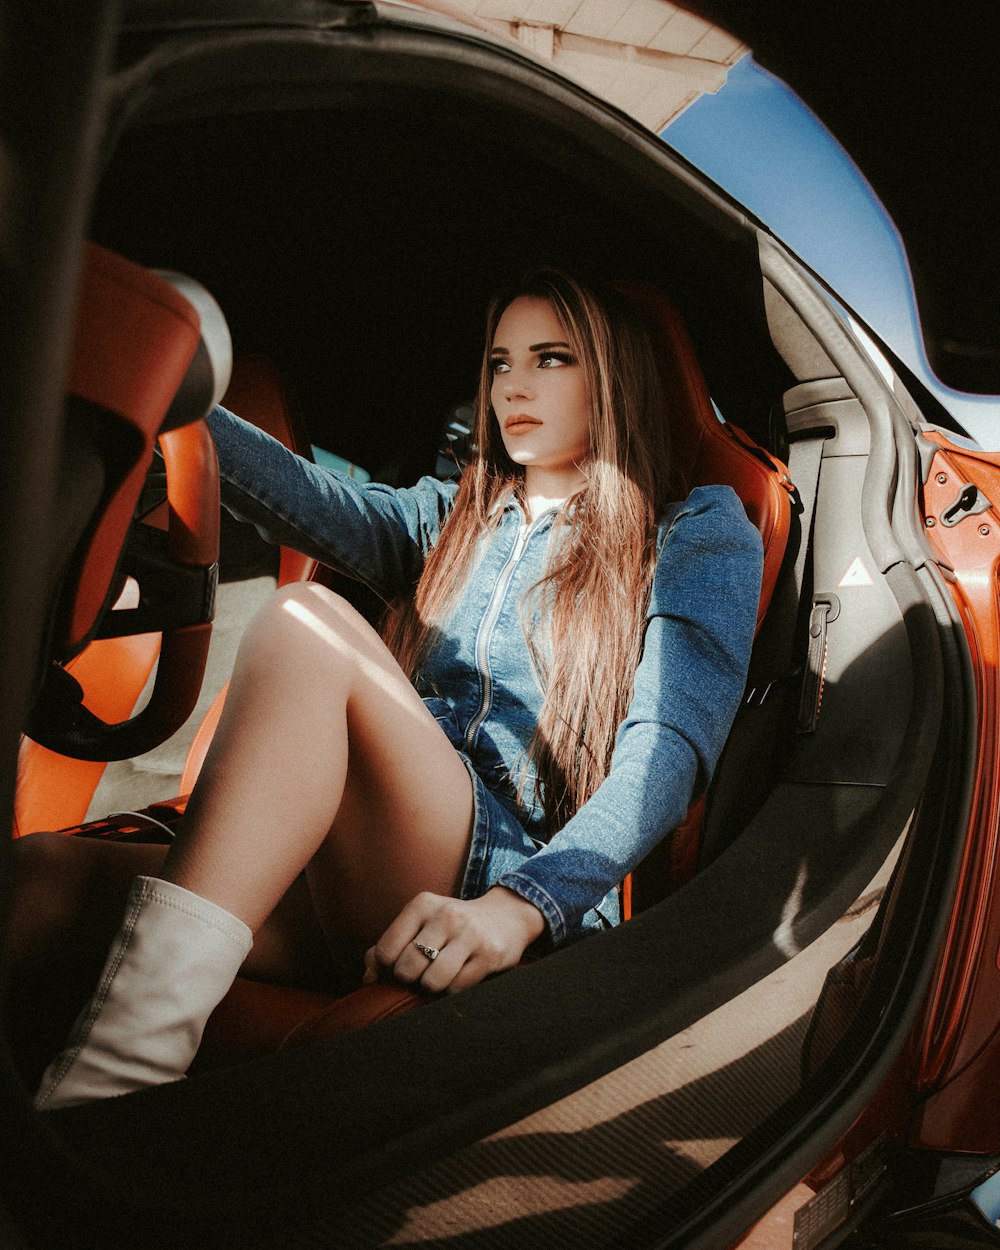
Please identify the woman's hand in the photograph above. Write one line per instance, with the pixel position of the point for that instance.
(472, 937)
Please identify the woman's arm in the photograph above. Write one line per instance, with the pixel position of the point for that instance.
(688, 687)
(372, 532)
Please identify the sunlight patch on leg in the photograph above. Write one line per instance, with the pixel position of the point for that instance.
(387, 681)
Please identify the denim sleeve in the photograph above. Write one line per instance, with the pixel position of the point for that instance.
(688, 687)
(375, 533)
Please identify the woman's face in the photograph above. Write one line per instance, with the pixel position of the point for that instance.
(539, 391)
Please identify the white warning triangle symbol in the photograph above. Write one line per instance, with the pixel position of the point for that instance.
(856, 575)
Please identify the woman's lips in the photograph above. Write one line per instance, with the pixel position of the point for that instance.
(519, 423)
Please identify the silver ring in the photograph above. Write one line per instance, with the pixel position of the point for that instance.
(429, 951)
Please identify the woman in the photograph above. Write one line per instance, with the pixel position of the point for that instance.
(565, 653)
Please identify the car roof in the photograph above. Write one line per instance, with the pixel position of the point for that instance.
(908, 91)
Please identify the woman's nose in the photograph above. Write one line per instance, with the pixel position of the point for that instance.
(517, 384)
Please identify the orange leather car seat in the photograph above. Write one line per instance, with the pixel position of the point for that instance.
(135, 338)
(55, 791)
(258, 395)
(705, 451)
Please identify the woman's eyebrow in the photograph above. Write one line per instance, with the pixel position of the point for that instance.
(535, 347)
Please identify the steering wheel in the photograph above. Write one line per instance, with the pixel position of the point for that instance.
(175, 567)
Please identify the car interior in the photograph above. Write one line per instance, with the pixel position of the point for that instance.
(350, 217)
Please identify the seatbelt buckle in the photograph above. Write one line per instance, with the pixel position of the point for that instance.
(825, 608)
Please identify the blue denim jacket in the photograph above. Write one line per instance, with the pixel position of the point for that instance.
(478, 678)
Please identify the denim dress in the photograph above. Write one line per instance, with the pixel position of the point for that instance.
(478, 679)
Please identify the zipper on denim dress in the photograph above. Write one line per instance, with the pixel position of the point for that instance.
(484, 635)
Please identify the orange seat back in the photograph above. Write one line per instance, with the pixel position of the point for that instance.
(705, 451)
(134, 340)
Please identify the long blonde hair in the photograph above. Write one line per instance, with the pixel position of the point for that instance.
(593, 595)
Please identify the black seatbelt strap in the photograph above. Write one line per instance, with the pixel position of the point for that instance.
(772, 659)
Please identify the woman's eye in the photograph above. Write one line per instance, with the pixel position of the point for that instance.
(550, 360)
(499, 366)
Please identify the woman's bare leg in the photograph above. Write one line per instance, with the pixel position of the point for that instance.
(324, 746)
(323, 742)
(325, 757)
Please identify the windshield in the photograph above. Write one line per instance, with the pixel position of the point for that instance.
(759, 142)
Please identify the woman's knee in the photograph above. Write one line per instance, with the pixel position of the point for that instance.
(306, 620)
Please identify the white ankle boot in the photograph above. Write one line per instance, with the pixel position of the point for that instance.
(175, 956)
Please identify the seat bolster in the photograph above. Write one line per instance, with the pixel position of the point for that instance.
(256, 1018)
(257, 393)
(706, 451)
(128, 320)
(723, 457)
(54, 791)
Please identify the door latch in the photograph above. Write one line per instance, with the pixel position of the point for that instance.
(970, 502)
